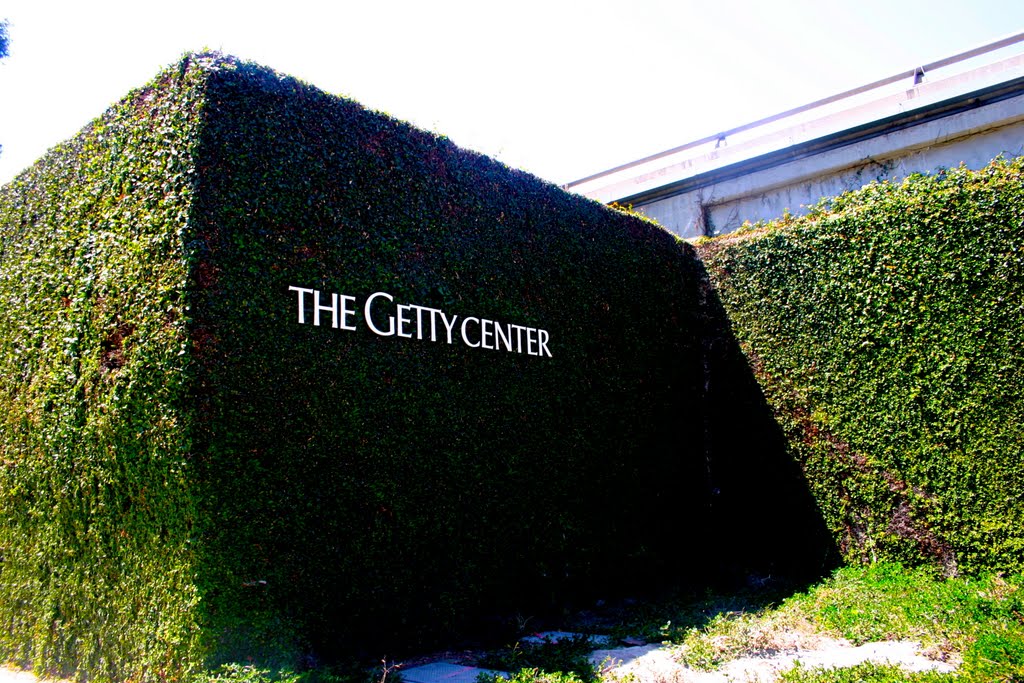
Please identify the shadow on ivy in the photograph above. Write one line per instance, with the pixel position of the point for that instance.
(730, 525)
(766, 523)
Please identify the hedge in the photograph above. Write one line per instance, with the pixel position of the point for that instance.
(886, 331)
(195, 472)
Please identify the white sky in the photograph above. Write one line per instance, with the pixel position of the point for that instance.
(560, 88)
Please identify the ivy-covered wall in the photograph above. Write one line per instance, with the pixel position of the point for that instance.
(194, 471)
(356, 487)
(886, 329)
(97, 520)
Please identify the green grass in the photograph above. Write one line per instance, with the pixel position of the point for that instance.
(886, 601)
(975, 621)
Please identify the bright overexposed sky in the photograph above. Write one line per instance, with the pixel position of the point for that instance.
(560, 88)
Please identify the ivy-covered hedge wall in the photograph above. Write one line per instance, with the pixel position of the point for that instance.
(357, 487)
(97, 519)
(193, 471)
(886, 329)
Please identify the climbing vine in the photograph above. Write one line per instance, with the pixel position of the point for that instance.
(885, 327)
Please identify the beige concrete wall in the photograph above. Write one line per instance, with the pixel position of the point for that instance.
(973, 137)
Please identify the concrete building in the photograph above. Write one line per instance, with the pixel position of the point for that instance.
(968, 108)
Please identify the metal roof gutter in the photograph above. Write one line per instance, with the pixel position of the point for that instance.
(679, 169)
(883, 126)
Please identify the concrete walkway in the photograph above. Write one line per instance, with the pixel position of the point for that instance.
(654, 663)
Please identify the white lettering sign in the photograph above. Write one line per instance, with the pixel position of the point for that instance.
(385, 318)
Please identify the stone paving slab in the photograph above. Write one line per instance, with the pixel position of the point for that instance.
(11, 675)
(556, 636)
(654, 663)
(619, 657)
(443, 672)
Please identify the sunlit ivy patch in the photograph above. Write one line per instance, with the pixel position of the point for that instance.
(885, 329)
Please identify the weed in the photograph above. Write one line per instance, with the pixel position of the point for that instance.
(867, 672)
(729, 635)
(239, 673)
(247, 673)
(534, 675)
(670, 619)
(996, 656)
(568, 656)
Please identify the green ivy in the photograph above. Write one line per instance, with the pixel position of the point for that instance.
(886, 329)
(93, 373)
(191, 478)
